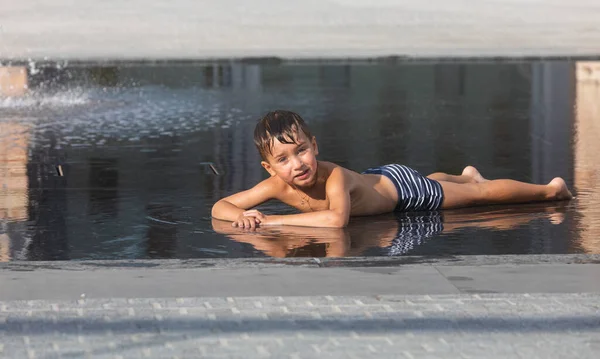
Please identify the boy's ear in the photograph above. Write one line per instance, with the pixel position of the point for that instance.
(267, 167)
(315, 146)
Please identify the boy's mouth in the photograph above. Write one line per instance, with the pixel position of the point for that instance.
(302, 175)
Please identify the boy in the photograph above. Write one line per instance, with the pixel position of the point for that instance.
(328, 194)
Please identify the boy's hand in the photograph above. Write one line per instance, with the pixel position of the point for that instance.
(249, 219)
(262, 219)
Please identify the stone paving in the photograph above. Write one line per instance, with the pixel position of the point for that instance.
(392, 326)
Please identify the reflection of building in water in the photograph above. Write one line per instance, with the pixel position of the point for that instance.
(239, 148)
(161, 236)
(587, 154)
(219, 75)
(104, 187)
(47, 206)
(553, 96)
(105, 76)
(14, 139)
(433, 117)
(13, 81)
(551, 133)
(245, 77)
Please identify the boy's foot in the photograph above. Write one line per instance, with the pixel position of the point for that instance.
(472, 172)
(562, 191)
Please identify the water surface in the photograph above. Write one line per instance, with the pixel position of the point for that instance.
(134, 143)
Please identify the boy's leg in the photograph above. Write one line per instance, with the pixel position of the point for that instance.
(501, 191)
(469, 175)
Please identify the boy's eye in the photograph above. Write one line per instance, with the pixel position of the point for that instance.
(302, 149)
(281, 159)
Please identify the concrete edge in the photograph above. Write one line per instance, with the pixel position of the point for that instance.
(228, 263)
(274, 60)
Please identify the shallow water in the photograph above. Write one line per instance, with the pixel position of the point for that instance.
(134, 144)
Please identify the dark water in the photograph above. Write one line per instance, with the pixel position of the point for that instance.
(134, 143)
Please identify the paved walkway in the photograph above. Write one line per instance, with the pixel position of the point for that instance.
(190, 29)
(406, 307)
(442, 326)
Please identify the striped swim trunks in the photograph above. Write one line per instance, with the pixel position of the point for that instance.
(415, 191)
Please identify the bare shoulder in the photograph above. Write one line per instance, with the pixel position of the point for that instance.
(338, 176)
(272, 185)
(338, 173)
(332, 168)
(328, 170)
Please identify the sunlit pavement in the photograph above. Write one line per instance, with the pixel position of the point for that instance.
(448, 326)
(189, 29)
(493, 307)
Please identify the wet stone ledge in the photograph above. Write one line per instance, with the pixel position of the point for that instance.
(476, 260)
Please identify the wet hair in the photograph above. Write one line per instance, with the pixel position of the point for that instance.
(280, 124)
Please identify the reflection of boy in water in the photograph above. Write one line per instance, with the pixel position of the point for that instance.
(415, 230)
(394, 234)
(329, 194)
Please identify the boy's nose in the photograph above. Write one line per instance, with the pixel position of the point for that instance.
(297, 163)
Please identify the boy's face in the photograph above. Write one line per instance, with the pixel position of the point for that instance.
(295, 163)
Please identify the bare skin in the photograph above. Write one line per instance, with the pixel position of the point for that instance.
(328, 194)
(469, 175)
(471, 189)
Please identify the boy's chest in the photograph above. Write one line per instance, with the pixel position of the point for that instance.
(306, 203)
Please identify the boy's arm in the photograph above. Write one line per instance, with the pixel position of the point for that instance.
(232, 207)
(336, 216)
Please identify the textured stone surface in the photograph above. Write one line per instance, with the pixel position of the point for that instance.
(151, 279)
(92, 30)
(347, 308)
(430, 326)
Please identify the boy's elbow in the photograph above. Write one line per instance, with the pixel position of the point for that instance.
(339, 220)
(215, 211)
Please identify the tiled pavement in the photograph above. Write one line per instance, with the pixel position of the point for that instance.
(391, 326)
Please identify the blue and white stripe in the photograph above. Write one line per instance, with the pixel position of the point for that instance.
(415, 191)
(415, 230)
